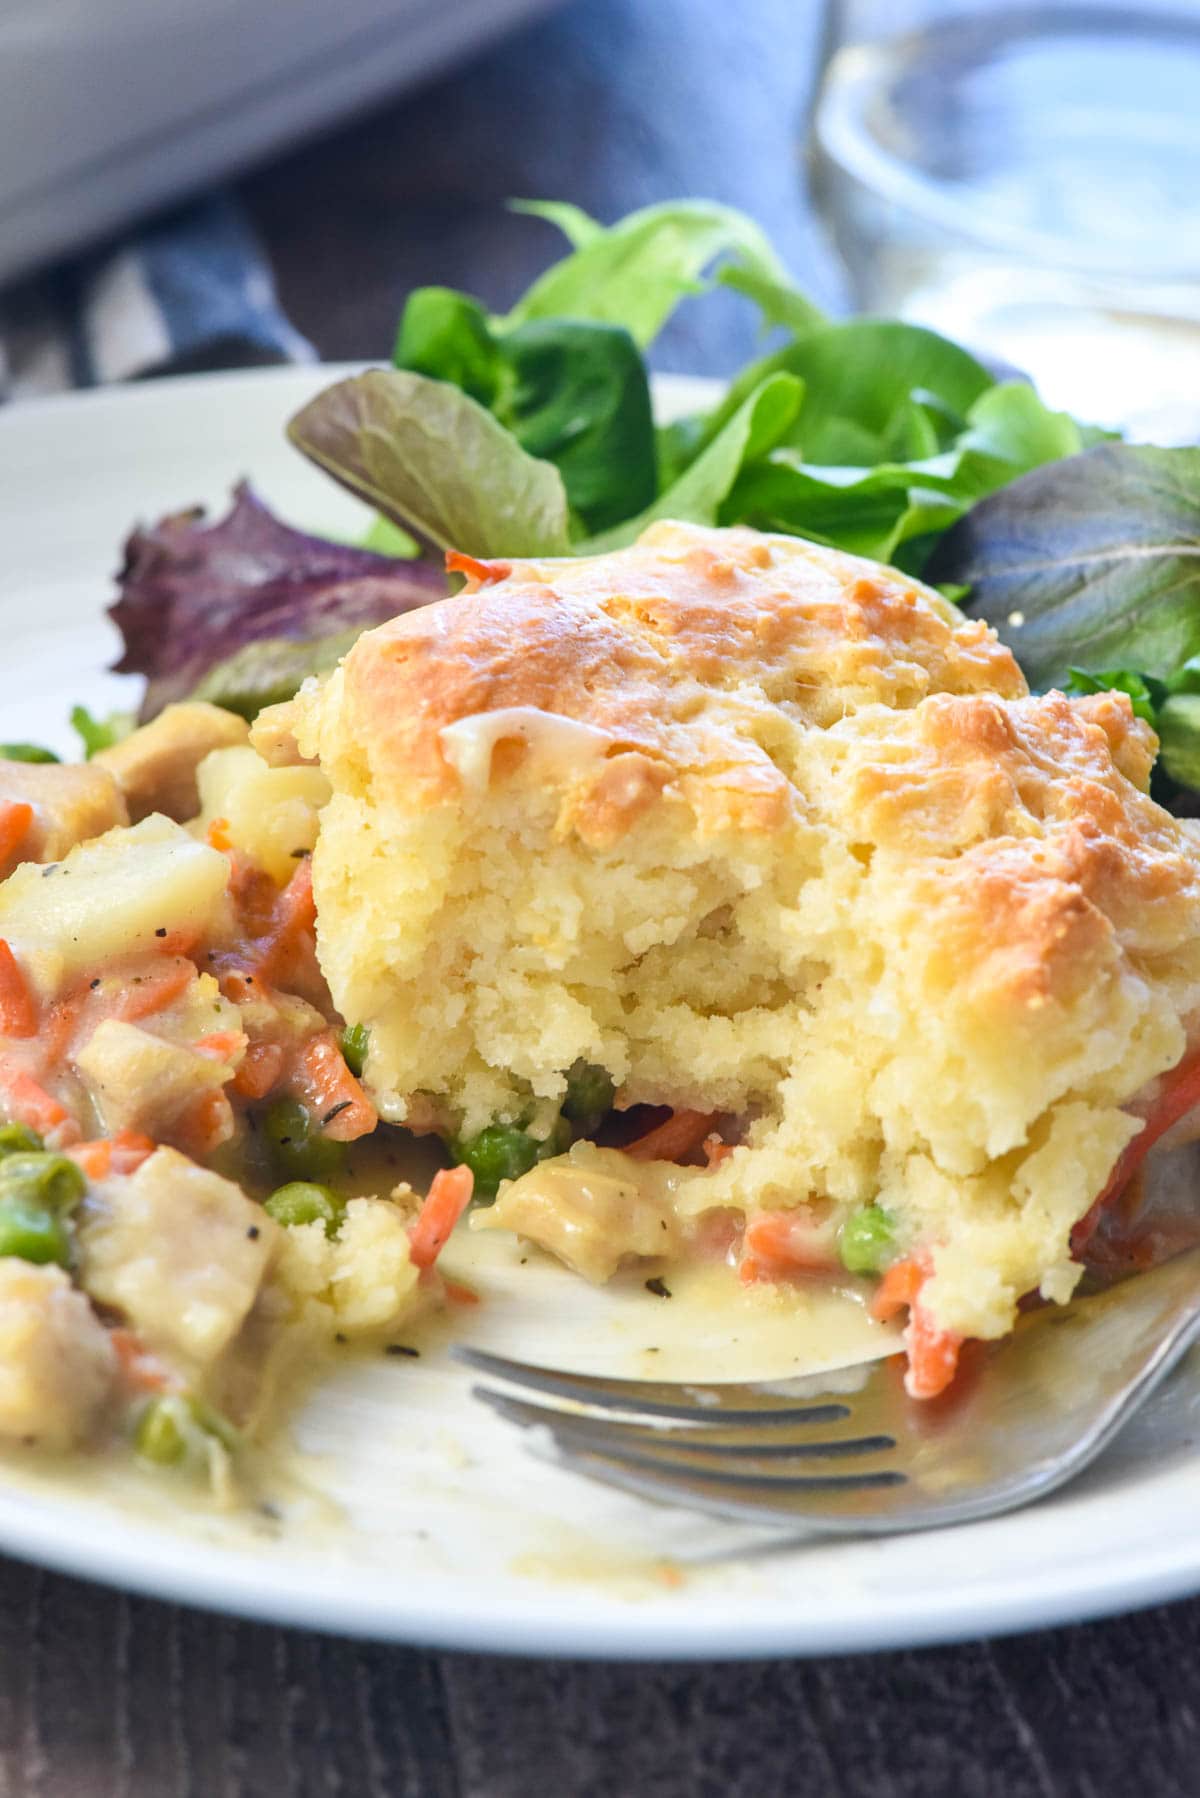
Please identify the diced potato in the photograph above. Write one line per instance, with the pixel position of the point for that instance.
(70, 804)
(57, 1366)
(180, 1251)
(155, 767)
(271, 813)
(111, 898)
(139, 1081)
(593, 1208)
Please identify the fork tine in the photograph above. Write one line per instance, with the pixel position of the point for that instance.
(684, 1448)
(692, 1401)
(845, 1506)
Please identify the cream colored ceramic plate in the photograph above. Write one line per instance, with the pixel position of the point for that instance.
(415, 1515)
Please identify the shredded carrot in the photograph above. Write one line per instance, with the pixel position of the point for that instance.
(327, 1086)
(240, 986)
(1180, 1094)
(221, 1045)
(458, 1294)
(180, 941)
(779, 1243)
(218, 836)
(932, 1353)
(15, 818)
(682, 1132)
(18, 1012)
(94, 1158)
(130, 1149)
(448, 1197)
(474, 569)
(261, 1067)
(123, 1153)
(149, 993)
(899, 1286)
(293, 918)
(31, 1104)
(59, 1026)
(206, 1124)
(140, 1370)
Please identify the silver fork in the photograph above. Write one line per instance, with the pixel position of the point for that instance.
(1025, 1415)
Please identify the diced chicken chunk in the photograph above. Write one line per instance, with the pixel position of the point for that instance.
(593, 1208)
(180, 1251)
(57, 1366)
(70, 804)
(139, 1081)
(155, 767)
(115, 897)
(270, 814)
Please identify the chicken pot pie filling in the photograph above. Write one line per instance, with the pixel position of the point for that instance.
(722, 899)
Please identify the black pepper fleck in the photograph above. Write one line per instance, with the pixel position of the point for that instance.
(95, 984)
(658, 1287)
(339, 1337)
(402, 1348)
(161, 931)
(334, 1110)
(253, 1232)
(49, 869)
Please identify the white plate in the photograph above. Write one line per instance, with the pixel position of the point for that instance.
(424, 1519)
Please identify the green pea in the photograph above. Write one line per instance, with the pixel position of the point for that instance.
(590, 1093)
(868, 1240)
(40, 1177)
(505, 1152)
(17, 1139)
(304, 1202)
(354, 1041)
(26, 752)
(298, 1149)
(32, 1233)
(162, 1431)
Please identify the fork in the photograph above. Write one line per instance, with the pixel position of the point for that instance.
(1025, 1415)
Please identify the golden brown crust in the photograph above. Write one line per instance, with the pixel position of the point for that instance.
(673, 649)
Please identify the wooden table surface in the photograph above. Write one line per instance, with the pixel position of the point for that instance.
(610, 103)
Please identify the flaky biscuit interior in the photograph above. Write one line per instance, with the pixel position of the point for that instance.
(769, 830)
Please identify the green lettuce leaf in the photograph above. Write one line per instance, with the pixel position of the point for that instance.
(634, 273)
(436, 463)
(700, 493)
(896, 510)
(573, 393)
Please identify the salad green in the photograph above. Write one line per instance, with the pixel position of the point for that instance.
(531, 433)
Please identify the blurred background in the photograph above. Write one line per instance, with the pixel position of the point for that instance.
(1023, 177)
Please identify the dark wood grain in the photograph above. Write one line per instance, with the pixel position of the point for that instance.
(612, 103)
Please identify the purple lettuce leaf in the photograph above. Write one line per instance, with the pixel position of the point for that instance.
(194, 594)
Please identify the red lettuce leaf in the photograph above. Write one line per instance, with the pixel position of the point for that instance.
(192, 594)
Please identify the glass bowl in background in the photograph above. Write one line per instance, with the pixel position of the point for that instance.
(1026, 179)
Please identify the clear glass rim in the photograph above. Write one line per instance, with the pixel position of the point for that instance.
(838, 136)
